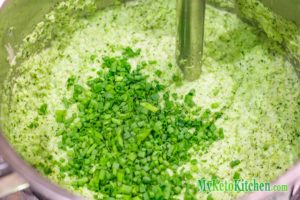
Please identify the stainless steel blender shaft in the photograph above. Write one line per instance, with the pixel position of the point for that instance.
(189, 51)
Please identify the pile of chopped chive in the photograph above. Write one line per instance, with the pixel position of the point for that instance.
(131, 135)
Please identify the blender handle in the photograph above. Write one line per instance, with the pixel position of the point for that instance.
(290, 178)
(295, 195)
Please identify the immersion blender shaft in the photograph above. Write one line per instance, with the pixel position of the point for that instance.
(189, 51)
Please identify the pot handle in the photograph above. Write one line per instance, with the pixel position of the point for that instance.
(12, 183)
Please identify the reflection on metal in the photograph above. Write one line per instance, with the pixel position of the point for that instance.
(289, 9)
(189, 51)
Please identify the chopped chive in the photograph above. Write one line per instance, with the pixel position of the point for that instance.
(129, 132)
(43, 109)
(149, 106)
(234, 163)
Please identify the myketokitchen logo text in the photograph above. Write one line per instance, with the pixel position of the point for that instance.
(216, 185)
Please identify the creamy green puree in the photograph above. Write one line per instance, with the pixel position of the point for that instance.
(245, 78)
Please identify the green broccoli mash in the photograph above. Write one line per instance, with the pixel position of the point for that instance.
(103, 111)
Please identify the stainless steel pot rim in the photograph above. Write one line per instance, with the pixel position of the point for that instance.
(38, 183)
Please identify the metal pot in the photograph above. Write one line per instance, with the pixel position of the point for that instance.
(23, 15)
